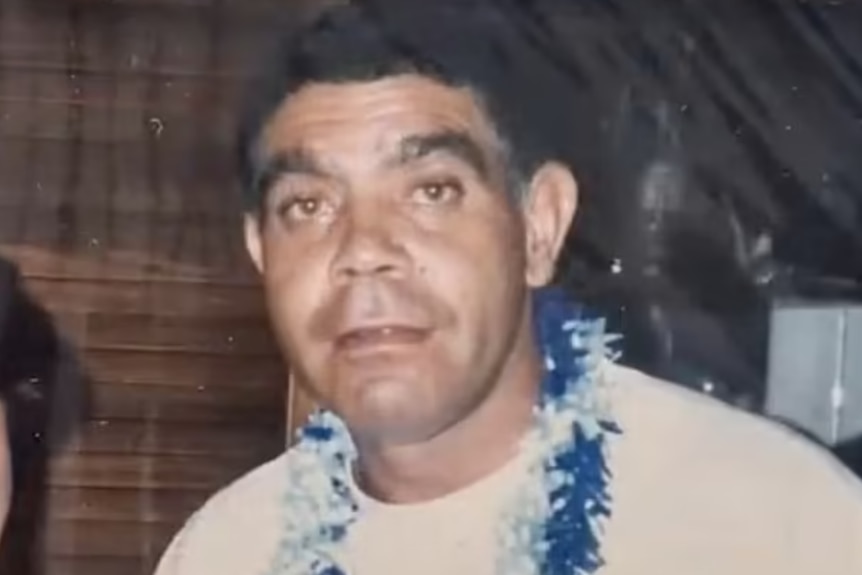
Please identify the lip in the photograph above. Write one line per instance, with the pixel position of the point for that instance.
(379, 337)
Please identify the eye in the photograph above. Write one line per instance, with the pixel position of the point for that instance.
(438, 192)
(302, 208)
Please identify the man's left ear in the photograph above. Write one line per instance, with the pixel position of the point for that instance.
(549, 208)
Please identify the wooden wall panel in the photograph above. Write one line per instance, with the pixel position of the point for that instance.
(118, 203)
(169, 300)
(122, 505)
(206, 404)
(237, 440)
(186, 393)
(205, 334)
(105, 539)
(76, 564)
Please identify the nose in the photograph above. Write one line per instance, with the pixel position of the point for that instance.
(369, 245)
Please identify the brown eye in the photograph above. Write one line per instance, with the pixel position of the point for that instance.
(438, 192)
(301, 209)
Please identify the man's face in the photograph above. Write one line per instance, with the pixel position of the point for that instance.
(395, 265)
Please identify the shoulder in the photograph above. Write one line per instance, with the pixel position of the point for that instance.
(701, 428)
(236, 531)
(725, 478)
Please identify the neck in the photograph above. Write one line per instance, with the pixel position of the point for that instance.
(450, 460)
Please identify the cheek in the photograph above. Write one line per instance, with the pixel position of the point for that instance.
(294, 281)
(474, 269)
(482, 285)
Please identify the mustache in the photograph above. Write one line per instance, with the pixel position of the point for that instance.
(376, 299)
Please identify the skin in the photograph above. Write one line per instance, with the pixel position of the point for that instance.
(5, 470)
(397, 269)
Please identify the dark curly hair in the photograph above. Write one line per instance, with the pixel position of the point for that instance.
(534, 102)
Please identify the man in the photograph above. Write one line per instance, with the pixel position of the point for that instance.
(405, 216)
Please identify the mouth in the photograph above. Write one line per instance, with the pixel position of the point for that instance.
(374, 338)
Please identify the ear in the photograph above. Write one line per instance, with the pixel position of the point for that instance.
(549, 208)
(254, 240)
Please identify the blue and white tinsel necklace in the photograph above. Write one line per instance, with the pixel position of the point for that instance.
(552, 528)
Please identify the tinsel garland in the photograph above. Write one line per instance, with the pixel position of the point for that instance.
(552, 528)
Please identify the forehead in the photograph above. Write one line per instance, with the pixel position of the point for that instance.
(361, 118)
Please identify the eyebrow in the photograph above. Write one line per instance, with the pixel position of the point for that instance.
(456, 144)
(410, 149)
(282, 163)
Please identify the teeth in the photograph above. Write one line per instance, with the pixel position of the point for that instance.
(377, 332)
(383, 335)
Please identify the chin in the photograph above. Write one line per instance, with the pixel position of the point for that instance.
(392, 423)
(383, 392)
(394, 433)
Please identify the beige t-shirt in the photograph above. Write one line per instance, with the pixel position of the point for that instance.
(698, 489)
